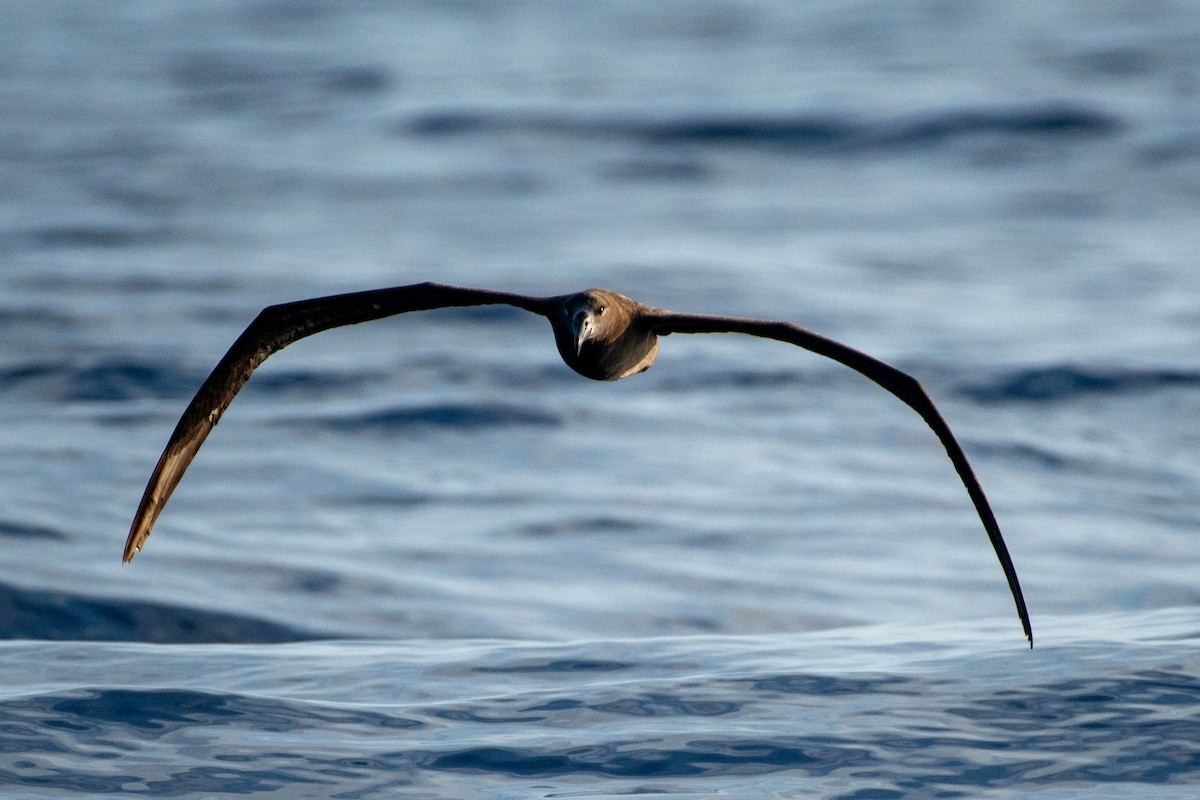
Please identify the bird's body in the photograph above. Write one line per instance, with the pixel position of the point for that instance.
(600, 334)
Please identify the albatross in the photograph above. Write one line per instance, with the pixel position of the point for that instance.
(600, 334)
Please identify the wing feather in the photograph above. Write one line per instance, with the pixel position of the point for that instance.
(275, 328)
(899, 383)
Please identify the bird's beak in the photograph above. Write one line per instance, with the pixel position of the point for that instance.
(583, 330)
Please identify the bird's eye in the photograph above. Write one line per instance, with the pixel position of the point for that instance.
(599, 310)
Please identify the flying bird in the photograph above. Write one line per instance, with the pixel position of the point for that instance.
(600, 334)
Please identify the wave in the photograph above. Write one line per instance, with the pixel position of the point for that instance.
(56, 615)
(572, 526)
(1067, 382)
(21, 530)
(818, 133)
(231, 82)
(166, 710)
(124, 379)
(92, 237)
(737, 378)
(113, 380)
(897, 717)
(442, 415)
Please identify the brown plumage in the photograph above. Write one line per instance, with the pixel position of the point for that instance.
(600, 334)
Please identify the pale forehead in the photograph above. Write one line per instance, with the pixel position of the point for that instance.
(596, 297)
(589, 299)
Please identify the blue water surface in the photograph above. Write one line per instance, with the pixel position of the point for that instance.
(423, 558)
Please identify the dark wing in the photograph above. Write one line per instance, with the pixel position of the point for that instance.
(275, 328)
(898, 383)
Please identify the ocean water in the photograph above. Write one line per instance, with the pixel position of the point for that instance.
(421, 557)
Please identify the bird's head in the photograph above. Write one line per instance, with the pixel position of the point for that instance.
(587, 319)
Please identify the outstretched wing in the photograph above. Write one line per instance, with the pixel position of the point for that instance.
(275, 328)
(900, 384)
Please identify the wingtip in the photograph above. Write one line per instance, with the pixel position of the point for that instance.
(143, 521)
(130, 551)
(134, 542)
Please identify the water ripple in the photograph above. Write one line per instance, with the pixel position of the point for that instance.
(442, 415)
(124, 378)
(59, 615)
(489, 718)
(816, 132)
(1068, 381)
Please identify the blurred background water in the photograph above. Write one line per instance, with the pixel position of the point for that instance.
(421, 557)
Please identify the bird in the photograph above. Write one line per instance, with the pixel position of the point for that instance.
(600, 334)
